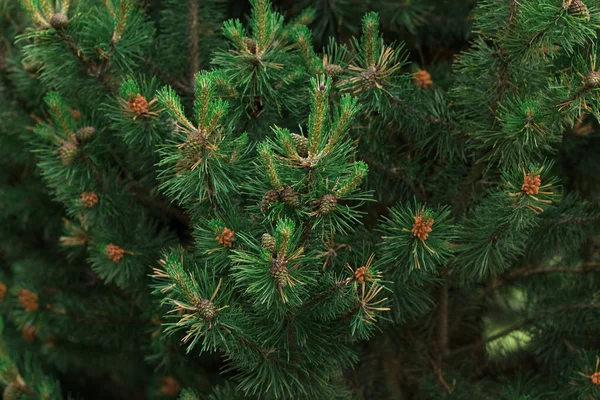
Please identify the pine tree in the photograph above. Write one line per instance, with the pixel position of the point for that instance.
(311, 200)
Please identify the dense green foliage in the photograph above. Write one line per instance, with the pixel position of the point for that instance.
(312, 200)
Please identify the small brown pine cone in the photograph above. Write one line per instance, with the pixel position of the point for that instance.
(169, 386)
(268, 199)
(290, 197)
(592, 80)
(114, 253)
(251, 45)
(422, 79)
(333, 70)
(193, 147)
(76, 115)
(13, 391)
(85, 134)
(138, 105)
(279, 273)
(360, 274)
(206, 309)
(89, 199)
(370, 76)
(68, 153)
(29, 333)
(59, 21)
(531, 184)
(579, 9)
(29, 300)
(3, 290)
(328, 203)
(301, 144)
(595, 378)
(268, 242)
(422, 227)
(226, 237)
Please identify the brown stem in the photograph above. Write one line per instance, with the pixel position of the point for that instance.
(585, 268)
(194, 37)
(443, 320)
(109, 319)
(90, 66)
(171, 80)
(518, 325)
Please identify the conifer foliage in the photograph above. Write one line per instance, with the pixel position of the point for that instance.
(347, 199)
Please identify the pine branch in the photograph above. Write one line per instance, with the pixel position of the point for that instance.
(194, 37)
(90, 66)
(519, 325)
(443, 320)
(171, 80)
(585, 268)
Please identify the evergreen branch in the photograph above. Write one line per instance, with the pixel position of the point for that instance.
(589, 267)
(443, 320)
(103, 318)
(194, 37)
(90, 66)
(171, 80)
(519, 325)
(444, 123)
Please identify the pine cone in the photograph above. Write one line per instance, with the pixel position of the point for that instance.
(279, 273)
(68, 153)
(328, 204)
(290, 197)
(89, 199)
(531, 184)
(268, 199)
(370, 76)
(59, 21)
(139, 105)
(579, 9)
(422, 79)
(592, 80)
(301, 144)
(360, 274)
(13, 391)
(29, 333)
(206, 309)
(114, 253)
(333, 70)
(29, 300)
(76, 115)
(268, 242)
(170, 386)
(422, 227)
(194, 145)
(251, 45)
(85, 134)
(595, 378)
(226, 237)
(3, 290)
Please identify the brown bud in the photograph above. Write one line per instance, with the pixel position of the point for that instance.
(592, 80)
(114, 253)
(138, 105)
(422, 79)
(85, 134)
(3, 290)
(251, 45)
(422, 226)
(29, 300)
(169, 386)
(89, 199)
(59, 21)
(206, 309)
(226, 237)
